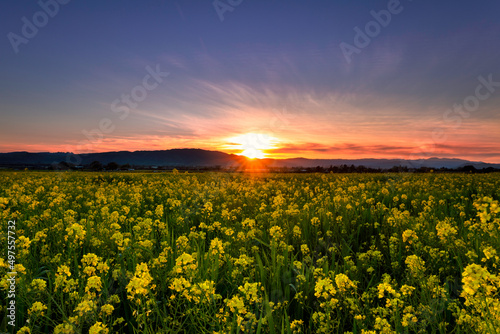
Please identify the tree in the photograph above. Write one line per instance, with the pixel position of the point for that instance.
(95, 165)
(112, 166)
(65, 165)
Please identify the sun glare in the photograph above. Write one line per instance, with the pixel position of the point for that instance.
(253, 145)
(253, 153)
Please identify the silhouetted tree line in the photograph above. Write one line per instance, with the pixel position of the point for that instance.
(394, 169)
(93, 166)
(113, 166)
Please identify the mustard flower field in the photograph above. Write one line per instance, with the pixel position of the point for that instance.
(250, 253)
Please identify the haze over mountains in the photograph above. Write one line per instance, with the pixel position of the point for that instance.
(204, 158)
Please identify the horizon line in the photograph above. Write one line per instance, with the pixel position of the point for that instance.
(260, 159)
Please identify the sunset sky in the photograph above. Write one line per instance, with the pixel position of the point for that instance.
(315, 79)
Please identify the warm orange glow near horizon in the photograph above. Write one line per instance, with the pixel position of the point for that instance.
(252, 145)
(258, 145)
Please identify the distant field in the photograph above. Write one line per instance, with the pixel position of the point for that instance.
(251, 253)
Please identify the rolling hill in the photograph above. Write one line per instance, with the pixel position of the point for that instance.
(205, 158)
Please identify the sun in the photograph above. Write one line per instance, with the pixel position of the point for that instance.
(253, 153)
(253, 145)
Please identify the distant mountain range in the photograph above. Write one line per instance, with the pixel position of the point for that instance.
(204, 158)
(384, 163)
(175, 157)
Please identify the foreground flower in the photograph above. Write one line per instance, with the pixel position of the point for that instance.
(140, 284)
(98, 328)
(37, 309)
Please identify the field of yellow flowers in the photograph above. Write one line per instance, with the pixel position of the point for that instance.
(251, 253)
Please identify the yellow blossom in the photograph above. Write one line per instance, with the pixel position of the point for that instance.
(98, 328)
(37, 308)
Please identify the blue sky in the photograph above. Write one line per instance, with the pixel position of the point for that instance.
(271, 68)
